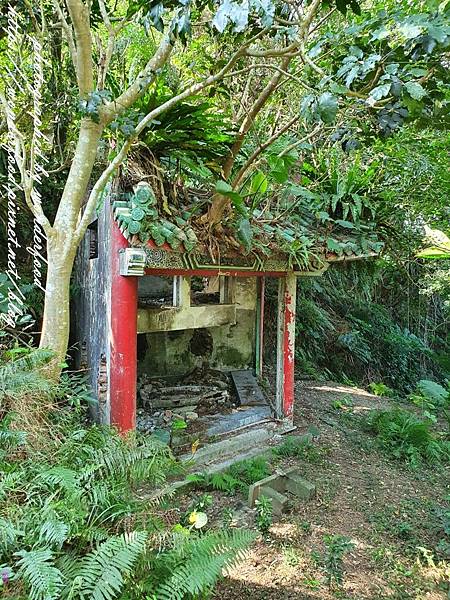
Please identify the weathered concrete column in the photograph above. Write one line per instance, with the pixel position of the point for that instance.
(259, 330)
(284, 401)
(122, 340)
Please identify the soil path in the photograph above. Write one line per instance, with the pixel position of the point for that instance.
(389, 512)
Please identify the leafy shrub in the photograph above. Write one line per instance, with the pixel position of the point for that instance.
(71, 524)
(238, 477)
(250, 471)
(380, 389)
(264, 513)
(29, 307)
(300, 446)
(343, 403)
(365, 321)
(407, 437)
(337, 546)
(433, 391)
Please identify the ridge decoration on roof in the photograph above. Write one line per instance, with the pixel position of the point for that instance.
(293, 235)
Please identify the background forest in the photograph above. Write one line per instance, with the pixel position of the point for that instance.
(351, 142)
(321, 126)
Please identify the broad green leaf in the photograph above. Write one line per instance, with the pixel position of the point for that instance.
(409, 31)
(438, 33)
(415, 90)
(392, 68)
(327, 107)
(380, 91)
(258, 184)
(346, 224)
(245, 232)
(334, 246)
(222, 187)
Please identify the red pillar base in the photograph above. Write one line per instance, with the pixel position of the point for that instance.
(123, 340)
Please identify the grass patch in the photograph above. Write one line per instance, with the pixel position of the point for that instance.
(406, 437)
(300, 446)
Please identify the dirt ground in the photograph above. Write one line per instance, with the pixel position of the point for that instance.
(389, 512)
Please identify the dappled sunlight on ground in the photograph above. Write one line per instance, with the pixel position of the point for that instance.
(361, 495)
(341, 389)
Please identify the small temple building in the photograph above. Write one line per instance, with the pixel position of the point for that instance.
(170, 314)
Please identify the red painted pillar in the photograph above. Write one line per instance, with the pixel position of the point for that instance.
(286, 346)
(122, 339)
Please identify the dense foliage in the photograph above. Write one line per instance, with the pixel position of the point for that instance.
(72, 524)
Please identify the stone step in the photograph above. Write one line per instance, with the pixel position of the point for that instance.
(230, 448)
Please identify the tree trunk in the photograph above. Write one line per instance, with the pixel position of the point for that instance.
(56, 319)
(219, 202)
(62, 246)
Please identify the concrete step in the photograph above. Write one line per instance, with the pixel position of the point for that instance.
(248, 442)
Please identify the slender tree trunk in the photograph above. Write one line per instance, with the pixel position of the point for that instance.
(219, 202)
(62, 246)
(56, 319)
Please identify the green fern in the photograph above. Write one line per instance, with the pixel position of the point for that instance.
(22, 374)
(433, 391)
(407, 437)
(9, 535)
(196, 565)
(8, 483)
(10, 440)
(62, 478)
(37, 570)
(224, 482)
(53, 533)
(100, 574)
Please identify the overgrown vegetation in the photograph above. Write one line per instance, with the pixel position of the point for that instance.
(72, 524)
(407, 437)
(356, 327)
(238, 477)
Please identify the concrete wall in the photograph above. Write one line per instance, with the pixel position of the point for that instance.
(228, 346)
(89, 312)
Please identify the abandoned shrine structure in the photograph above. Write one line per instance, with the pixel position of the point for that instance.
(155, 309)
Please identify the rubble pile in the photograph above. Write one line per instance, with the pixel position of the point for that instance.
(203, 391)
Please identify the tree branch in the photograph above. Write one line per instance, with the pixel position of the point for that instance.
(298, 142)
(20, 157)
(242, 171)
(145, 78)
(112, 35)
(79, 15)
(68, 32)
(120, 157)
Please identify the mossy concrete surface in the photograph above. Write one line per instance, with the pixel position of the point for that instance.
(230, 345)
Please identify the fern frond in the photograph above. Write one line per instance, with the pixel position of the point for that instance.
(101, 572)
(28, 362)
(224, 482)
(204, 562)
(37, 570)
(62, 477)
(134, 463)
(10, 440)
(8, 483)
(9, 535)
(53, 533)
(22, 375)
